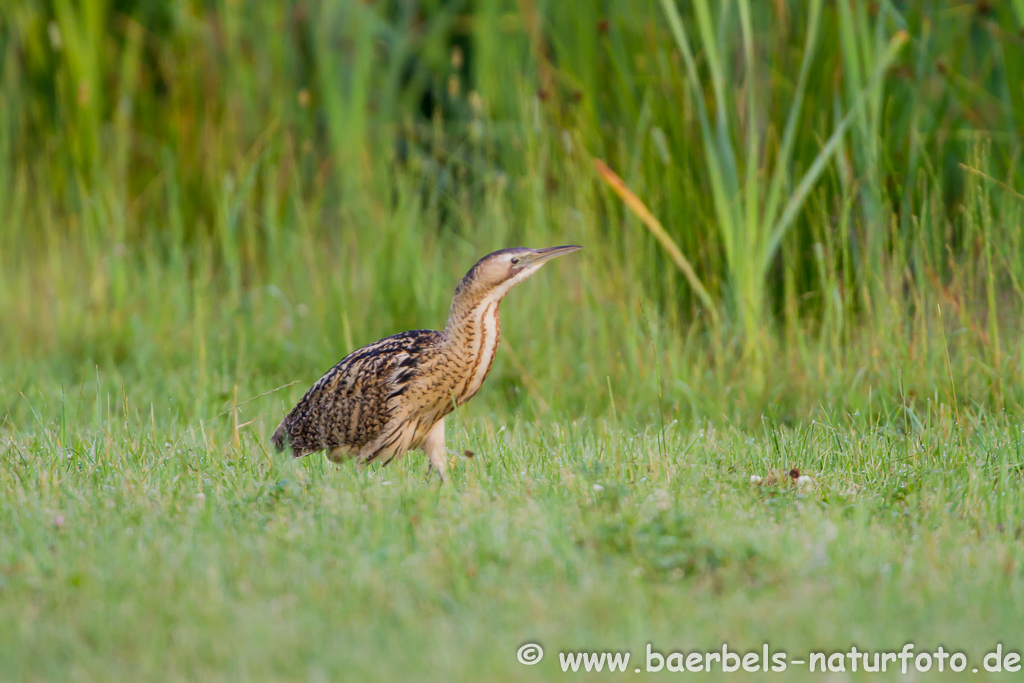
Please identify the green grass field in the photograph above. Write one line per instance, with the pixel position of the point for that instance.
(130, 557)
(777, 398)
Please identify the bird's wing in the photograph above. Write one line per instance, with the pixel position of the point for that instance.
(351, 404)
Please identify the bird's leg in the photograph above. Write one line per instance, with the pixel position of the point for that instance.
(435, 448)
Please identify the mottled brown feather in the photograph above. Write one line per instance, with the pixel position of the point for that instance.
(349, 406)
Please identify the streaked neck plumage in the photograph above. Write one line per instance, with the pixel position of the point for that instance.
(473, 331)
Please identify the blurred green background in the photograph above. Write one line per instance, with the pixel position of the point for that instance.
(777, 397)
(217, 198)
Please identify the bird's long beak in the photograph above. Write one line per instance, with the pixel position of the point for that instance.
(539, 256)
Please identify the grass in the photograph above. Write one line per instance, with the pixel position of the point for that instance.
(136, 550)
(802, 250)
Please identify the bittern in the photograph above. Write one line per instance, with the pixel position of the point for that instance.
(392, 396)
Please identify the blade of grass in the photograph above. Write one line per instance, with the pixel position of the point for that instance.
(753, 145)
(789, 135)
(654, 225)
(718, 180)
(818, 166)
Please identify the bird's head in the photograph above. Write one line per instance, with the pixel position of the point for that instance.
(500, 271)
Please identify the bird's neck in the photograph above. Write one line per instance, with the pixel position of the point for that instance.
(471, 335)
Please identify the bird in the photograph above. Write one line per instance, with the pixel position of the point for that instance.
(392, 396)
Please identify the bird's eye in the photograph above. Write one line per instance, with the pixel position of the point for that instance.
(514, 260)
